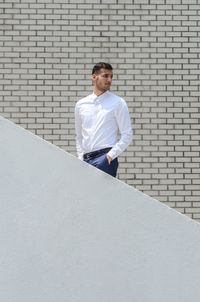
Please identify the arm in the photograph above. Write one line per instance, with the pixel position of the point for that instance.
(78, 129)
(125, 130)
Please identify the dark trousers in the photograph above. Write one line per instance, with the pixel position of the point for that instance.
(101, 163)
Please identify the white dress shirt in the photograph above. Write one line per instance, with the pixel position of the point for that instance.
(98, 120)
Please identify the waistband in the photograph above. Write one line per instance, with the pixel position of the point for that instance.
(94, 154)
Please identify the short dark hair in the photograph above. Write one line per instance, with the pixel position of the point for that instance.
(101, 65)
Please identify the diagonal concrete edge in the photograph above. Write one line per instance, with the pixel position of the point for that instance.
(69, 232)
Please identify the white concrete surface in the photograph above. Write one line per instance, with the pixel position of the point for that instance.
(69, 232)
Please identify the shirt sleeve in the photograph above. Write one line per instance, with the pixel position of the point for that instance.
(125, 129)
(78, 129)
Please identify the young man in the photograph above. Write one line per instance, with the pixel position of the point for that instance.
(99, 118)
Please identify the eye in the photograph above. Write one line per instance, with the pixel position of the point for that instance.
(106, 76)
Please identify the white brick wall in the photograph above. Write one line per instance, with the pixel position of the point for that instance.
(47, 50)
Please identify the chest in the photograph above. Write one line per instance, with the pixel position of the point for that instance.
(97, 111)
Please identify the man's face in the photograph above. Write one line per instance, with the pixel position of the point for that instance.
(103, 79)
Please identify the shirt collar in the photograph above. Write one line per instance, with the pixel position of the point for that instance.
(94, 97)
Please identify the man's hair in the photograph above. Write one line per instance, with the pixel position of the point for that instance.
(101, 65)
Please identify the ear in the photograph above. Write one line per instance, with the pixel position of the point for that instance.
(94, 77)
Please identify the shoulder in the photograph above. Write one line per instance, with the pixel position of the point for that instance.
(119, 101)
(83, 101)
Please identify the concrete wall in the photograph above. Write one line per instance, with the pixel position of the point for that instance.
(69, 232)
(47, 50)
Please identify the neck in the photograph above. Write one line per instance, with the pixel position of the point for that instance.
(99, 92)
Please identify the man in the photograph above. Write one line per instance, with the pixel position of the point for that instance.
(99, 118)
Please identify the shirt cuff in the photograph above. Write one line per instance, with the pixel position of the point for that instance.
(112, 154)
